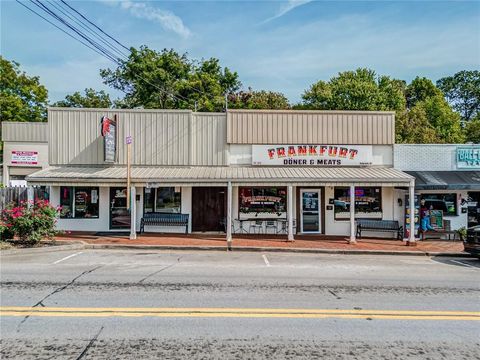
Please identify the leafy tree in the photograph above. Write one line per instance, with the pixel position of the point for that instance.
(472, 130)
(462, 90)
(22, 97)
(168, 80)
(413, 127)
(420, 89)
(258, 100)
(361, 89)
(91, 99)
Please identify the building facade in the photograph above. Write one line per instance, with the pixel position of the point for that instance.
(244, 171)
(447, 178)
(25, 151)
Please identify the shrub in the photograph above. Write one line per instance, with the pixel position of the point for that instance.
(31, 222)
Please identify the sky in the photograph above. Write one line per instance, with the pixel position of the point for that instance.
(282, 46)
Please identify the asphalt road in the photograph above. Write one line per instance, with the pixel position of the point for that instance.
(107, 304)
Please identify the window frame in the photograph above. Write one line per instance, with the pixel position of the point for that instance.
(155, 194)
(72, 202)
(359, 215)
(256, 213)
(424, 196)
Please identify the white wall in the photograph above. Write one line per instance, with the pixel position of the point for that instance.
(102, 223)
(342, 227)
(425, 157)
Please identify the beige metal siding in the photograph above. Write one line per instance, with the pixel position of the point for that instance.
(209, 139)
(24, 131)
(159, 137)
(310, 127)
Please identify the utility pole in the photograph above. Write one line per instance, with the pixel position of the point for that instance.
(128, 141)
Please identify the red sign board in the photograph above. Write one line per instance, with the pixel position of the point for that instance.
(24, 157)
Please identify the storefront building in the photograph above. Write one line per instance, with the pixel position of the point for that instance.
(25, 151)
(244, 171)
(447, 177)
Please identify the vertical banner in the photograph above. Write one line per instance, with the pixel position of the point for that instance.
(412, 218)
(109, 132)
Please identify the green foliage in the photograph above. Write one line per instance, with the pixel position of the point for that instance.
(91, 99)
(462, 90)
(472, 130)
(22, 97)
(420, 89)
(168, 80)
(30, 222)
(258, 100)
(413, 127)
(361, 89)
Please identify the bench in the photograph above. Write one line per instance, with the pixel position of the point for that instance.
(164, 219)
(379, 225)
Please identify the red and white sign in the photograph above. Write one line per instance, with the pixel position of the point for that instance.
(25, 157)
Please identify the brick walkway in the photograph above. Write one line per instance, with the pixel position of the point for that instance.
(301, 242)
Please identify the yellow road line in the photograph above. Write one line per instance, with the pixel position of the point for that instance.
(240, 313)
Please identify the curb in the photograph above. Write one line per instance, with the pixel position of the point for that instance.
(41, 250)
(80, 245)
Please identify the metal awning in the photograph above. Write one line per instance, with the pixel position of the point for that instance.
(220, 176)
(446, 180)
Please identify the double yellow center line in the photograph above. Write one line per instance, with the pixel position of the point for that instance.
(239, 313)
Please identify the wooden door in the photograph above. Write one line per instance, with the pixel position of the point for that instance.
(209, 208)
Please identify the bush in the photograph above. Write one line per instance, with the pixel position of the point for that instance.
(30, 222)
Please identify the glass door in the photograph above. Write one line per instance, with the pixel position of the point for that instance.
(310, 211)
(119, 214)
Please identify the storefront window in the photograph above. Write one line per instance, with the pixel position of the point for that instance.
(164, 199)
(262, 200)
(444, 202)
(79, 202)
(368, 203)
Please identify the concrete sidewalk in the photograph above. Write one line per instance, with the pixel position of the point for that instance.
(265, 242)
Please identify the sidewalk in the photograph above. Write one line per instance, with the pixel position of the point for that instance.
(265, 242)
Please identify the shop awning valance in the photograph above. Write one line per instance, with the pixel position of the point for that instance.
(446, 180)
(220, 176)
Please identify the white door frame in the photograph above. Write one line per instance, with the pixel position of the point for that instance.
(319, 191)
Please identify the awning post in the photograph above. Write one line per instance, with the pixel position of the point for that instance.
(352, 239)
(133, 213)
(411, 241)
(229, 215)
(290, 213)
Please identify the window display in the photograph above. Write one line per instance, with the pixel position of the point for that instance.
(254, 200)
(368, 203)
(79, 202)
(444, 202)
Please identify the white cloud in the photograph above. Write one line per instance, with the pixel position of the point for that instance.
(167, 19)
(287, 7)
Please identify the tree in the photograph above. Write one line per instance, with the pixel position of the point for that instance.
(472, 130)
(462, 90)
(168, 80)
(22, 97)
(91, 99)
(420, 89)
(258, 100)
(430, 121)
(361, 89)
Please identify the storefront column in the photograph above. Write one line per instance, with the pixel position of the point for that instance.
(353, 239)
(411, 204)
(290, 213)
(229, 214)
(133, 213)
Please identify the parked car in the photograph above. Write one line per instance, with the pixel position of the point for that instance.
(471, 243)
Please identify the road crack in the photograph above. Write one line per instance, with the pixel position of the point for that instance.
(156, 272)
(56, 291)
(84, 352)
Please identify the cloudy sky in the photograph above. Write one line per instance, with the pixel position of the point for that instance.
(274, 45)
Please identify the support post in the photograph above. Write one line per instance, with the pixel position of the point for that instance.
(290, 213)
(229, 215)
(411, 241)
(353, 239)
(133, 213)
(129, 149)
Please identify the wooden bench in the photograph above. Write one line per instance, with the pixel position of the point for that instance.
(164, 219)
(379, 225)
